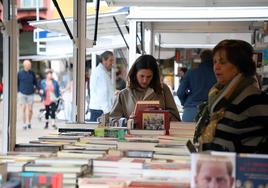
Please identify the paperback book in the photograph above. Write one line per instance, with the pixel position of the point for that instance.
(251, 170)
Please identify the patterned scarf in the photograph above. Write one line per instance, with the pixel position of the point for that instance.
(218, 99)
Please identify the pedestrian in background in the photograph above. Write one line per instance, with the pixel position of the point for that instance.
(67, 96)
(50, 93)
(194, 87)
(101, 87)
(26, 84)
(181, 72)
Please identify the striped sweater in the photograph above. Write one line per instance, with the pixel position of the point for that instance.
(244, 125)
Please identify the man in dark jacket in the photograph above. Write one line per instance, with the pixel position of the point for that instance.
(194, 88)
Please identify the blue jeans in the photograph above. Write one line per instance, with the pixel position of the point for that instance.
(94, 114)
(189, 114)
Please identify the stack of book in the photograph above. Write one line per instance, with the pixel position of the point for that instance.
(86, 149)
(105, 182)
(172, 140)
(171, 152)
(156, 184)
(110, 132)
(82, 153)
(138, 153)
(16, 161)
(70, 168)
(79, 127)
(37, 179)
(136, 145)
(118, 166)
(59, 138)
(99, 140)
(144, 132)
(139, 140)
(38, 147)
(182, 129)
(171, 172)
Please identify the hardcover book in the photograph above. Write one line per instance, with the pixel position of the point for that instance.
(141, 106)
(169, 149)
(155, 120)
(38, 147)
(138, 154)
(78, 127)
(118, 162)
(55, 168)
(63, 161)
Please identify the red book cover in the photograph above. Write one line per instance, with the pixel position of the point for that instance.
(144, 105)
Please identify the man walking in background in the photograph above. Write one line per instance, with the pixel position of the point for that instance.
(26, 85)
(195, 85)
(101, 87)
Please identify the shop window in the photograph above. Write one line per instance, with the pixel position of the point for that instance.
(28, 4)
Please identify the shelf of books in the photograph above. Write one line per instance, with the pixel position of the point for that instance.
(136, 159)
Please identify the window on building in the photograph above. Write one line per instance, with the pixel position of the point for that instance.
(31, 3)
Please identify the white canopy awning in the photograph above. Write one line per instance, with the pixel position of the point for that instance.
(106, 25)
(191, 3)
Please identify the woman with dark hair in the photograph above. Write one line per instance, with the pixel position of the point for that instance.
(236, 116)
(144, 84)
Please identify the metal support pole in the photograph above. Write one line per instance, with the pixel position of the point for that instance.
(96, 22)
(148, 45)
(142, 38)
(10, 59)
(132, 42)
(120, 31)
(79, 60)
(63, 19)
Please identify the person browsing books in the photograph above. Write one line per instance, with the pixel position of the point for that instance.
(144, 84)
(235, 118)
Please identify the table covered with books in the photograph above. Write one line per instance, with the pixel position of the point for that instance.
(117, 157)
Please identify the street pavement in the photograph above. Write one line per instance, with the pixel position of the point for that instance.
(24, 136)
